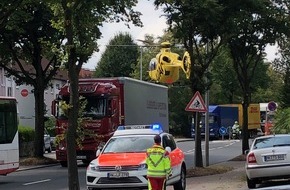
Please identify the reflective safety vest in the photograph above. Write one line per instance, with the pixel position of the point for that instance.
(158, 162)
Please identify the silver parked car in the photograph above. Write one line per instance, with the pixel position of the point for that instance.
(47, 143)
(268, 158)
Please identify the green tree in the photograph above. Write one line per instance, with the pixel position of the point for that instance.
(119, 58)
(198, 25)
(148, 49)
(272, 92)
(28, 52)
(282, 66)
(251, 26)
(282, 121)
(7, 7)
(80, 22)
(224, 74)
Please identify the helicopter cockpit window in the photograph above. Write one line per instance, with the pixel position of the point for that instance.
(152, 64)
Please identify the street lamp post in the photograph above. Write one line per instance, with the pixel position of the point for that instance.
(141, 64)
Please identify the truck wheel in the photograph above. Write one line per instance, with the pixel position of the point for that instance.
(63, 163)
(181, 184)
(251, 183)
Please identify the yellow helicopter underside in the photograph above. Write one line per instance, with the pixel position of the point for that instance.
(165, 74)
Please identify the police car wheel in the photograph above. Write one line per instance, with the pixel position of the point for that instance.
(181, 184)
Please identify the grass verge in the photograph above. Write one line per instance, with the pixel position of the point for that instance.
(33, 161)
(213, 169)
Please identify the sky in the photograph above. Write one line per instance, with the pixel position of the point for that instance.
(154, 24)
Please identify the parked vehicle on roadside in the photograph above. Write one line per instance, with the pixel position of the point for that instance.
(52, 143)
(268, 158)
(9, 145)
(47, 145)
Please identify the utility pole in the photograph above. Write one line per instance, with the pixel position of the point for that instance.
(206, 120)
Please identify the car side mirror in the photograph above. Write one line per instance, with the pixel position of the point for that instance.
(98, 152)
(100, 148)
(168, 149)
(247, 151)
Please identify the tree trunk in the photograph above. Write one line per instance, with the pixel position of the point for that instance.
(73, 73)
(72, 128)
(39, 119)
(245, 131)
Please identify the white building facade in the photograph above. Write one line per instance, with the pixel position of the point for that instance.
(25, 97)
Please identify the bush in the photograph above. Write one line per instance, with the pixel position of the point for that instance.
(50, 126)
(26, 134)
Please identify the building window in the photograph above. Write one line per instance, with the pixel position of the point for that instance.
(2, 77)
(9, 91)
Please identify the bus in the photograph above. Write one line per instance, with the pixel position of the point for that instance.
(9, 147)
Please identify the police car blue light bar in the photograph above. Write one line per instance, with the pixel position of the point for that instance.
(153, 127)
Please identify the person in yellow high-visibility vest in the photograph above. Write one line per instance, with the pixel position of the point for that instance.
(159, 166)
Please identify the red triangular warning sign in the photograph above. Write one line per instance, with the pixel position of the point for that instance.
(196, 104)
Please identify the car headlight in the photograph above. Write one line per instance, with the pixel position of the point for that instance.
(94, 167)
(142, 166)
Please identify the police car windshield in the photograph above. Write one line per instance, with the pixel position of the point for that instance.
(127, 144)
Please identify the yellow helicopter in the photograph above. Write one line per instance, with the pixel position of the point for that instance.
(165, 67)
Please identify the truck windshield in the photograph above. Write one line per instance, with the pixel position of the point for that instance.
(95, 107)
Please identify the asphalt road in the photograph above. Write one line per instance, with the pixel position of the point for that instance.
(56, 177)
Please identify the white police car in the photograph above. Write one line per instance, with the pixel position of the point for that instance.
(121, 162)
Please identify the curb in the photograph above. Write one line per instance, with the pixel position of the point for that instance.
(23, 168)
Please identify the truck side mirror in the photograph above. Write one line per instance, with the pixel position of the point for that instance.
(110, 111)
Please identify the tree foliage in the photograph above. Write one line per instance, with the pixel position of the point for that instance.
(148, 49)
(272, 92)
(245, 26)
(224, 75)
(7, 7)
(282, 66)
(28, 44)
(198, 26)
(80, 22)
(282, 121)
(120, 57)
(251, 26)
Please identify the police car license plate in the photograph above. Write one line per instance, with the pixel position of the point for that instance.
(118, 174)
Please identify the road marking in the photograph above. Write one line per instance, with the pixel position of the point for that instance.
(220, 147)
(35, 182)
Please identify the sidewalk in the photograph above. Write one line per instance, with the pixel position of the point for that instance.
(232, 180)
(48, 155)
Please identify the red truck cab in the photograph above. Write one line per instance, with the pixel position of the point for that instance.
(101, 117)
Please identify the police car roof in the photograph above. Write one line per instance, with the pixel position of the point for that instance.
(138, 130)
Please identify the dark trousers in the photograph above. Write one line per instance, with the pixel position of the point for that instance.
(156, 183)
